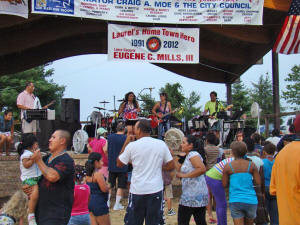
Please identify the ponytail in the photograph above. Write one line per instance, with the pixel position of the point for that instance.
(80, 173)
(90, 163)
(28, 140)
(20, 148)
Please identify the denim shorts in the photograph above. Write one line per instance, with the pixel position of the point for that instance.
(80, 220)
(242, 210)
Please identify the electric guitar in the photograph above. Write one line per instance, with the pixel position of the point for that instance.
(213, 120)
(162, 118)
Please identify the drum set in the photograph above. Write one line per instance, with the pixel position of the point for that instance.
(103, 117)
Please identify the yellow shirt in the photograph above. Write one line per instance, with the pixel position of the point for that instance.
(285, 183)
(211, 107)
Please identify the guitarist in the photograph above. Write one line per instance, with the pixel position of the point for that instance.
(213, 107)
(160, 109)
(27, 100)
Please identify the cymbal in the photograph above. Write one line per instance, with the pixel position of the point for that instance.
(99, 108)
(120, 100)
(104, 102)
(113, 110)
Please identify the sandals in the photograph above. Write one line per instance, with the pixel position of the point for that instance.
(212, 221)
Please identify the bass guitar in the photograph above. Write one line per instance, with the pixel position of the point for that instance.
(162, 118)
(213, 120)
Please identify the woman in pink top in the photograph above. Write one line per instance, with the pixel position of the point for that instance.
(80, 212)
(99, 145)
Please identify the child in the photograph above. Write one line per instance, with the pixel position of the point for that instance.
(239, 174)
(14, 210)
(212, 153)
(214, 182)
(80, 212)
(30, 173)
(261, 213)
(99, 212)
(168, 191)
(270, 200)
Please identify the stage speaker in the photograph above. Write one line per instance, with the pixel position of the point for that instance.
(70, 110)
(47, 127)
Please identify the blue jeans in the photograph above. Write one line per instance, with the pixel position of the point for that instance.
(271, 204)
(162, 129)
(80, 220)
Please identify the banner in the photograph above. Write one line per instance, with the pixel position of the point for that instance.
(153, 44)
(158, 11)
(14, 7)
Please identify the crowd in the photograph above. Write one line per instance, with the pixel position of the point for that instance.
(263, 182)
(263, 179)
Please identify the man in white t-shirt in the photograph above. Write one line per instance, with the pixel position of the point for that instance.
(275, 137)
(147, 156)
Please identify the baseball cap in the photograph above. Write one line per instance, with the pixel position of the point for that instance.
(101, 131)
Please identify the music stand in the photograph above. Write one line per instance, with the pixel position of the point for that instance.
(237, 114)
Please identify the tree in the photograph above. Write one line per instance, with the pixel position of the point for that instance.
(175, 94)
(292, 93)
(240, 97)
(147, 103)
(262, 94)
(189, 106)
(45, 88)
(241, 101)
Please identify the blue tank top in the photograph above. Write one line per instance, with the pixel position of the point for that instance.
(241, 187)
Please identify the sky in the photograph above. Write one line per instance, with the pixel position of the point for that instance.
(92, 79)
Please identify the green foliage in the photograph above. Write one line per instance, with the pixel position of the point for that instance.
(177, 99)
(147, 103)
(189, 106)
(241, 101)
(240, 97)
(292, 93)
(262, 93)
(175, 94)
(45, 88)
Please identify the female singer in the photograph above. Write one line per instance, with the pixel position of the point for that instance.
(129, 111)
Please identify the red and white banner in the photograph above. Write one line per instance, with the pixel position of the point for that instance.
(153, 44)
(14, 7)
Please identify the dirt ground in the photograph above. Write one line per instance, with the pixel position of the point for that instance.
(117, 217)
